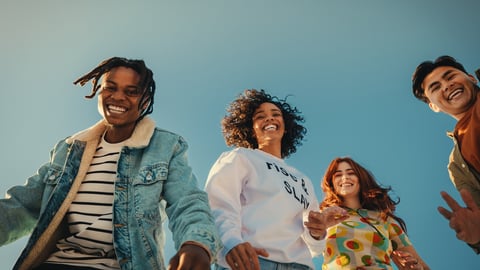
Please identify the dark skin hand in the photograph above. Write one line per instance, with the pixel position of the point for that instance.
(465, 221)
(245, 257)
(190, 257)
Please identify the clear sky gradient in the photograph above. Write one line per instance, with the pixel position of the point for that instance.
(346, 64)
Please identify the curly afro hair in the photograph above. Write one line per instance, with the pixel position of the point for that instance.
(237, 125)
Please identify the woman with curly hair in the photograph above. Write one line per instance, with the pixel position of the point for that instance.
(264, 208)
(372, 234)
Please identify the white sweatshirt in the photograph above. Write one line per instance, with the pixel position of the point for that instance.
(258, 198)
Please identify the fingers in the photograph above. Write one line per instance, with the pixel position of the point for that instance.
(252, 259)
(460, 228)
(315, 225)
(407, 260)
(468, 199)
(333, 215)
(314, 220)
(314, 216)
(447, 214)
(232, 258)
(328, 217)
(334, 210)
(244, 257)
(318, 222)
(261, 252)
(450, 201)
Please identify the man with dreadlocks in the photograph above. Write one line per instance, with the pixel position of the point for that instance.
(100, 201)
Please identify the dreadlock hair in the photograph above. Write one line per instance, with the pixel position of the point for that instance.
(372, 195)
(146, 83)
(237, 125)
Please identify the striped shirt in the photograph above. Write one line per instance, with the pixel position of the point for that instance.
(90, 215)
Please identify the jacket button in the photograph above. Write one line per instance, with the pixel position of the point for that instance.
(463, 165)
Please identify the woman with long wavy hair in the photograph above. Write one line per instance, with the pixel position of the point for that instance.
(372, 234)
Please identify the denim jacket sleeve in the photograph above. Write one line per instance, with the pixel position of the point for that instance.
(190, 217)
(23, 204)
(21, 207)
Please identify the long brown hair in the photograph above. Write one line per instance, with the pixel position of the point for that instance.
(372, 195)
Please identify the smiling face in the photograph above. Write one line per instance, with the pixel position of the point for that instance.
(118, 100)
(268, 124)
(450, 90)
(345, 182)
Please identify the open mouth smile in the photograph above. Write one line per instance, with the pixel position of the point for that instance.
(270, 127)
(346, 184)
(455, 94)
(116, 109)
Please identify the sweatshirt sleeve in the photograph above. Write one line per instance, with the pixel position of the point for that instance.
(224, 188)
(315, 246)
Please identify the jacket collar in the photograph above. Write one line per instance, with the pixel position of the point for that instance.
(140, 136)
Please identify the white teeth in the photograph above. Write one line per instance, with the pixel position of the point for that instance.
(270, 127)
(116, 109)
(454, 94)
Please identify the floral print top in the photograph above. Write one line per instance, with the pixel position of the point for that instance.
(363, 241)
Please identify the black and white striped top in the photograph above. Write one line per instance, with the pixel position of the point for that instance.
(90, 215)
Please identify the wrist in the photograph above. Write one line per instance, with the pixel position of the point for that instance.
(193, 243)
(318, 237)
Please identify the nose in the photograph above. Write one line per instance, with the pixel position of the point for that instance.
(118, 95)
(268, 118)
(345, 176)
(447, 86)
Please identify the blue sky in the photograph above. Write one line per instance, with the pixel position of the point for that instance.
(346, 65)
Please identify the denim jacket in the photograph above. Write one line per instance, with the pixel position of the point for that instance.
(154, 181)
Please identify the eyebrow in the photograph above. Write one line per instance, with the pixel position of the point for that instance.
(112, 82)
(263, 111)
(347, 170)
(128, 86)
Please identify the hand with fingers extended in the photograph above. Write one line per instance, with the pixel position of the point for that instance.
(245, 257)
(318, 222)
(405, 260)
(465, 221)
